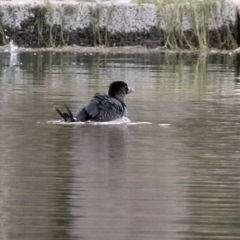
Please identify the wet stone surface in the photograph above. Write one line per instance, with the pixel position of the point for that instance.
(47, 36)
(55, 36)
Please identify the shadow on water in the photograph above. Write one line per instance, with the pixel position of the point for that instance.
(176, 178)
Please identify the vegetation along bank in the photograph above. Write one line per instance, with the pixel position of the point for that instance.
(180, 24)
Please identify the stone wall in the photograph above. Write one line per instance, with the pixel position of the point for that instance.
(54, 23)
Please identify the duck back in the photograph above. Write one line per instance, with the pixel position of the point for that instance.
(102, 108)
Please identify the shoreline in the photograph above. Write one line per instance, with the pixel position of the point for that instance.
(117, 50)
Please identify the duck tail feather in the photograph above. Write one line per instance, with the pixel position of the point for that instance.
(60, 113)
(70, 114)
(67, 117)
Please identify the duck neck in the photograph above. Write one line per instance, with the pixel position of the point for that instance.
(120, 98)
(118, 95)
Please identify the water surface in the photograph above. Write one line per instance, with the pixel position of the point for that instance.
(176, 178)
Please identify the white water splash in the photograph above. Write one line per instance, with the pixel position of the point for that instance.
(123, 120)
(165, 125)
(139, 123)
(13, 50)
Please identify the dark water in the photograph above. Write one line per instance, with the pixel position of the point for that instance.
(176, 178)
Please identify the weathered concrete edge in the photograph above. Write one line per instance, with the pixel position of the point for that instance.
(113, 18)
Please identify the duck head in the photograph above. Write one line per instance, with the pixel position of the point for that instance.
(119, 89)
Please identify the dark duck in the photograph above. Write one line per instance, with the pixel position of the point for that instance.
(102, 107)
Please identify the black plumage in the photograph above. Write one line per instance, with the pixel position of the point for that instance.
(102, 107)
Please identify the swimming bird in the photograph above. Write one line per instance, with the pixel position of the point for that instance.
(102, 107)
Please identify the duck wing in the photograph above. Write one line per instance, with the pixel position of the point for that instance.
(101, 108)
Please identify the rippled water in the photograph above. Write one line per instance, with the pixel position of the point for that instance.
(174, 178)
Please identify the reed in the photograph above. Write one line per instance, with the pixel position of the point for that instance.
(194, 24)
(182, 24)
(3, 37)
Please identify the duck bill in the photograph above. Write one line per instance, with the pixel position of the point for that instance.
(130, 90)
